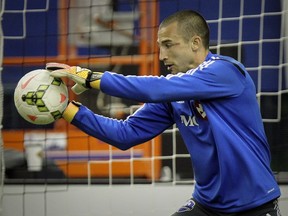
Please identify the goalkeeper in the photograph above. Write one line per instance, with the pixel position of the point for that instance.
(212, 100)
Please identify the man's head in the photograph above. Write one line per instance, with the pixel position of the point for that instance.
(183, 40)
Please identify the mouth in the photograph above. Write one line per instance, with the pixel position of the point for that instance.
(169, 67)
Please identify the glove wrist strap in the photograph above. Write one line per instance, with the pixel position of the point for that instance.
(92, 77)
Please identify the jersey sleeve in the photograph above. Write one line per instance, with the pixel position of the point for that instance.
(218, 79)
(147, 122)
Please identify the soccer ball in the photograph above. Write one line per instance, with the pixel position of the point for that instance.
(39, 98)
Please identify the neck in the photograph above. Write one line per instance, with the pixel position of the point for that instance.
(201, 56)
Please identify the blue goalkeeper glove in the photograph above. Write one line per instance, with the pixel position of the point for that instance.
(84, 78)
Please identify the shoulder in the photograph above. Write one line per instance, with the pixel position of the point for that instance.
(212, 64)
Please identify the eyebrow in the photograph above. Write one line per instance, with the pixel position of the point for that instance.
(164, 41)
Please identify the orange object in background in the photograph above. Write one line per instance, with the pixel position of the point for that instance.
(85, 156)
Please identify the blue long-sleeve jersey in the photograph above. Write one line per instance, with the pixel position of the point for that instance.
(216, 110)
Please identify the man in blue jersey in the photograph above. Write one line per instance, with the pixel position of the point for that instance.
(212, 100)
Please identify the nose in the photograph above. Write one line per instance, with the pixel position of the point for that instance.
(162, 54)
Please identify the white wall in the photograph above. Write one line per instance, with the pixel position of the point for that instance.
(102, 200)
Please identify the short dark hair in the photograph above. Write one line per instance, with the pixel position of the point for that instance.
(189, 23)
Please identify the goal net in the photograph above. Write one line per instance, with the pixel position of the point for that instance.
(121, 36)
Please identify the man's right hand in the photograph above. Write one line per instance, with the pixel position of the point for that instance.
(84, 78)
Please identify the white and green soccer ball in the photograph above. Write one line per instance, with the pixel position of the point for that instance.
(39, 98)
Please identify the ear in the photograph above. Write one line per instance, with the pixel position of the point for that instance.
(196, 42)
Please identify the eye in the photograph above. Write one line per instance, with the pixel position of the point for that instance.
(168, 45)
